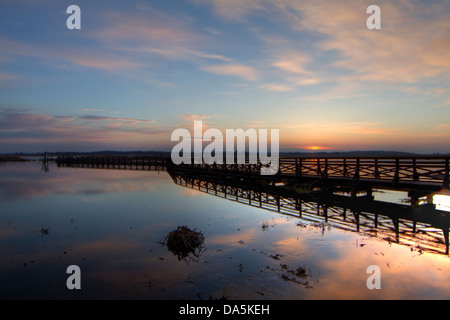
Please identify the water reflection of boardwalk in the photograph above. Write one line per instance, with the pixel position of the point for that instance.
(421, 227)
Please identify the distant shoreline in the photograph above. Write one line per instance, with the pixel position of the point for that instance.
(12, 158)
(23, 157)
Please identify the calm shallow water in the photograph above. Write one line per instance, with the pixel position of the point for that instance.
(110, 223)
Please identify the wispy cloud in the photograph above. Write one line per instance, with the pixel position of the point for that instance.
(156, 33)
(237, 70)
(7, 76)
(293, 62)
(93, 110)
(413, 44)
(24, 129)
(82, 57)
(122, 42)
(277, 87)
(104, 118)
(189, 117)
(444, 127)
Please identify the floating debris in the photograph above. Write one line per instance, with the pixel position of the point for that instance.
(300, 272)
(276, 257)
(185, 243)
(45, 231)
(300, 276)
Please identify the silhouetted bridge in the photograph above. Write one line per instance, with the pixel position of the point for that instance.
(431, 172)
(411, 172)
(153, 163)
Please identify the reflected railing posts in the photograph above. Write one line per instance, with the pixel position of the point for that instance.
(45, 160)
(419, 226)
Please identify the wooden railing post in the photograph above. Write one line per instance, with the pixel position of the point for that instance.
(345, 168)
(397, 171)
(300, 166)
(415, 174)
(356, 176)
(446, 182)
(377, 171)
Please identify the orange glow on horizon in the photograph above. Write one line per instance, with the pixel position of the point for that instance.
(316, 148)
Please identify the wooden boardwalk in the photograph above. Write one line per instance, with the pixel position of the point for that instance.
(114, 162)
(430, 172)
(420, 172)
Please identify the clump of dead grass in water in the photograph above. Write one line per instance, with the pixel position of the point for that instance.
(185, 243)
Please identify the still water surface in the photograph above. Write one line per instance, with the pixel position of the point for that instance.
(110, 223)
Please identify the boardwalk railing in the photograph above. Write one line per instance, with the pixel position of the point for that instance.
(432, 171)
(428, 170)
(113, 162)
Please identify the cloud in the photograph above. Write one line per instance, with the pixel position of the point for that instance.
(103, 62)
(412, 45)
(26, 131)
(189, 117)
(6, 77)
(65, 118)
(120, 43)
(356, 127)
(277, 87)
(235, 10)
(156, 33)
(95, 110)
(444, 127)
(293, 63)
(104, 118)
(75, 55)
(236, 70)
(17, 121)
(149, 27)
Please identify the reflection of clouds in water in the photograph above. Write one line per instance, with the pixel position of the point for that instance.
(106, 245)
(20, 183)
(118, 252)
(344, 258)
(294, 244)
(191, 193)
(128, 267)
(235, 239)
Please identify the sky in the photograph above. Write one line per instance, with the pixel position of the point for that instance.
(138, 70)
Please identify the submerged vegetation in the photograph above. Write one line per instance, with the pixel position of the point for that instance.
(185, 243)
